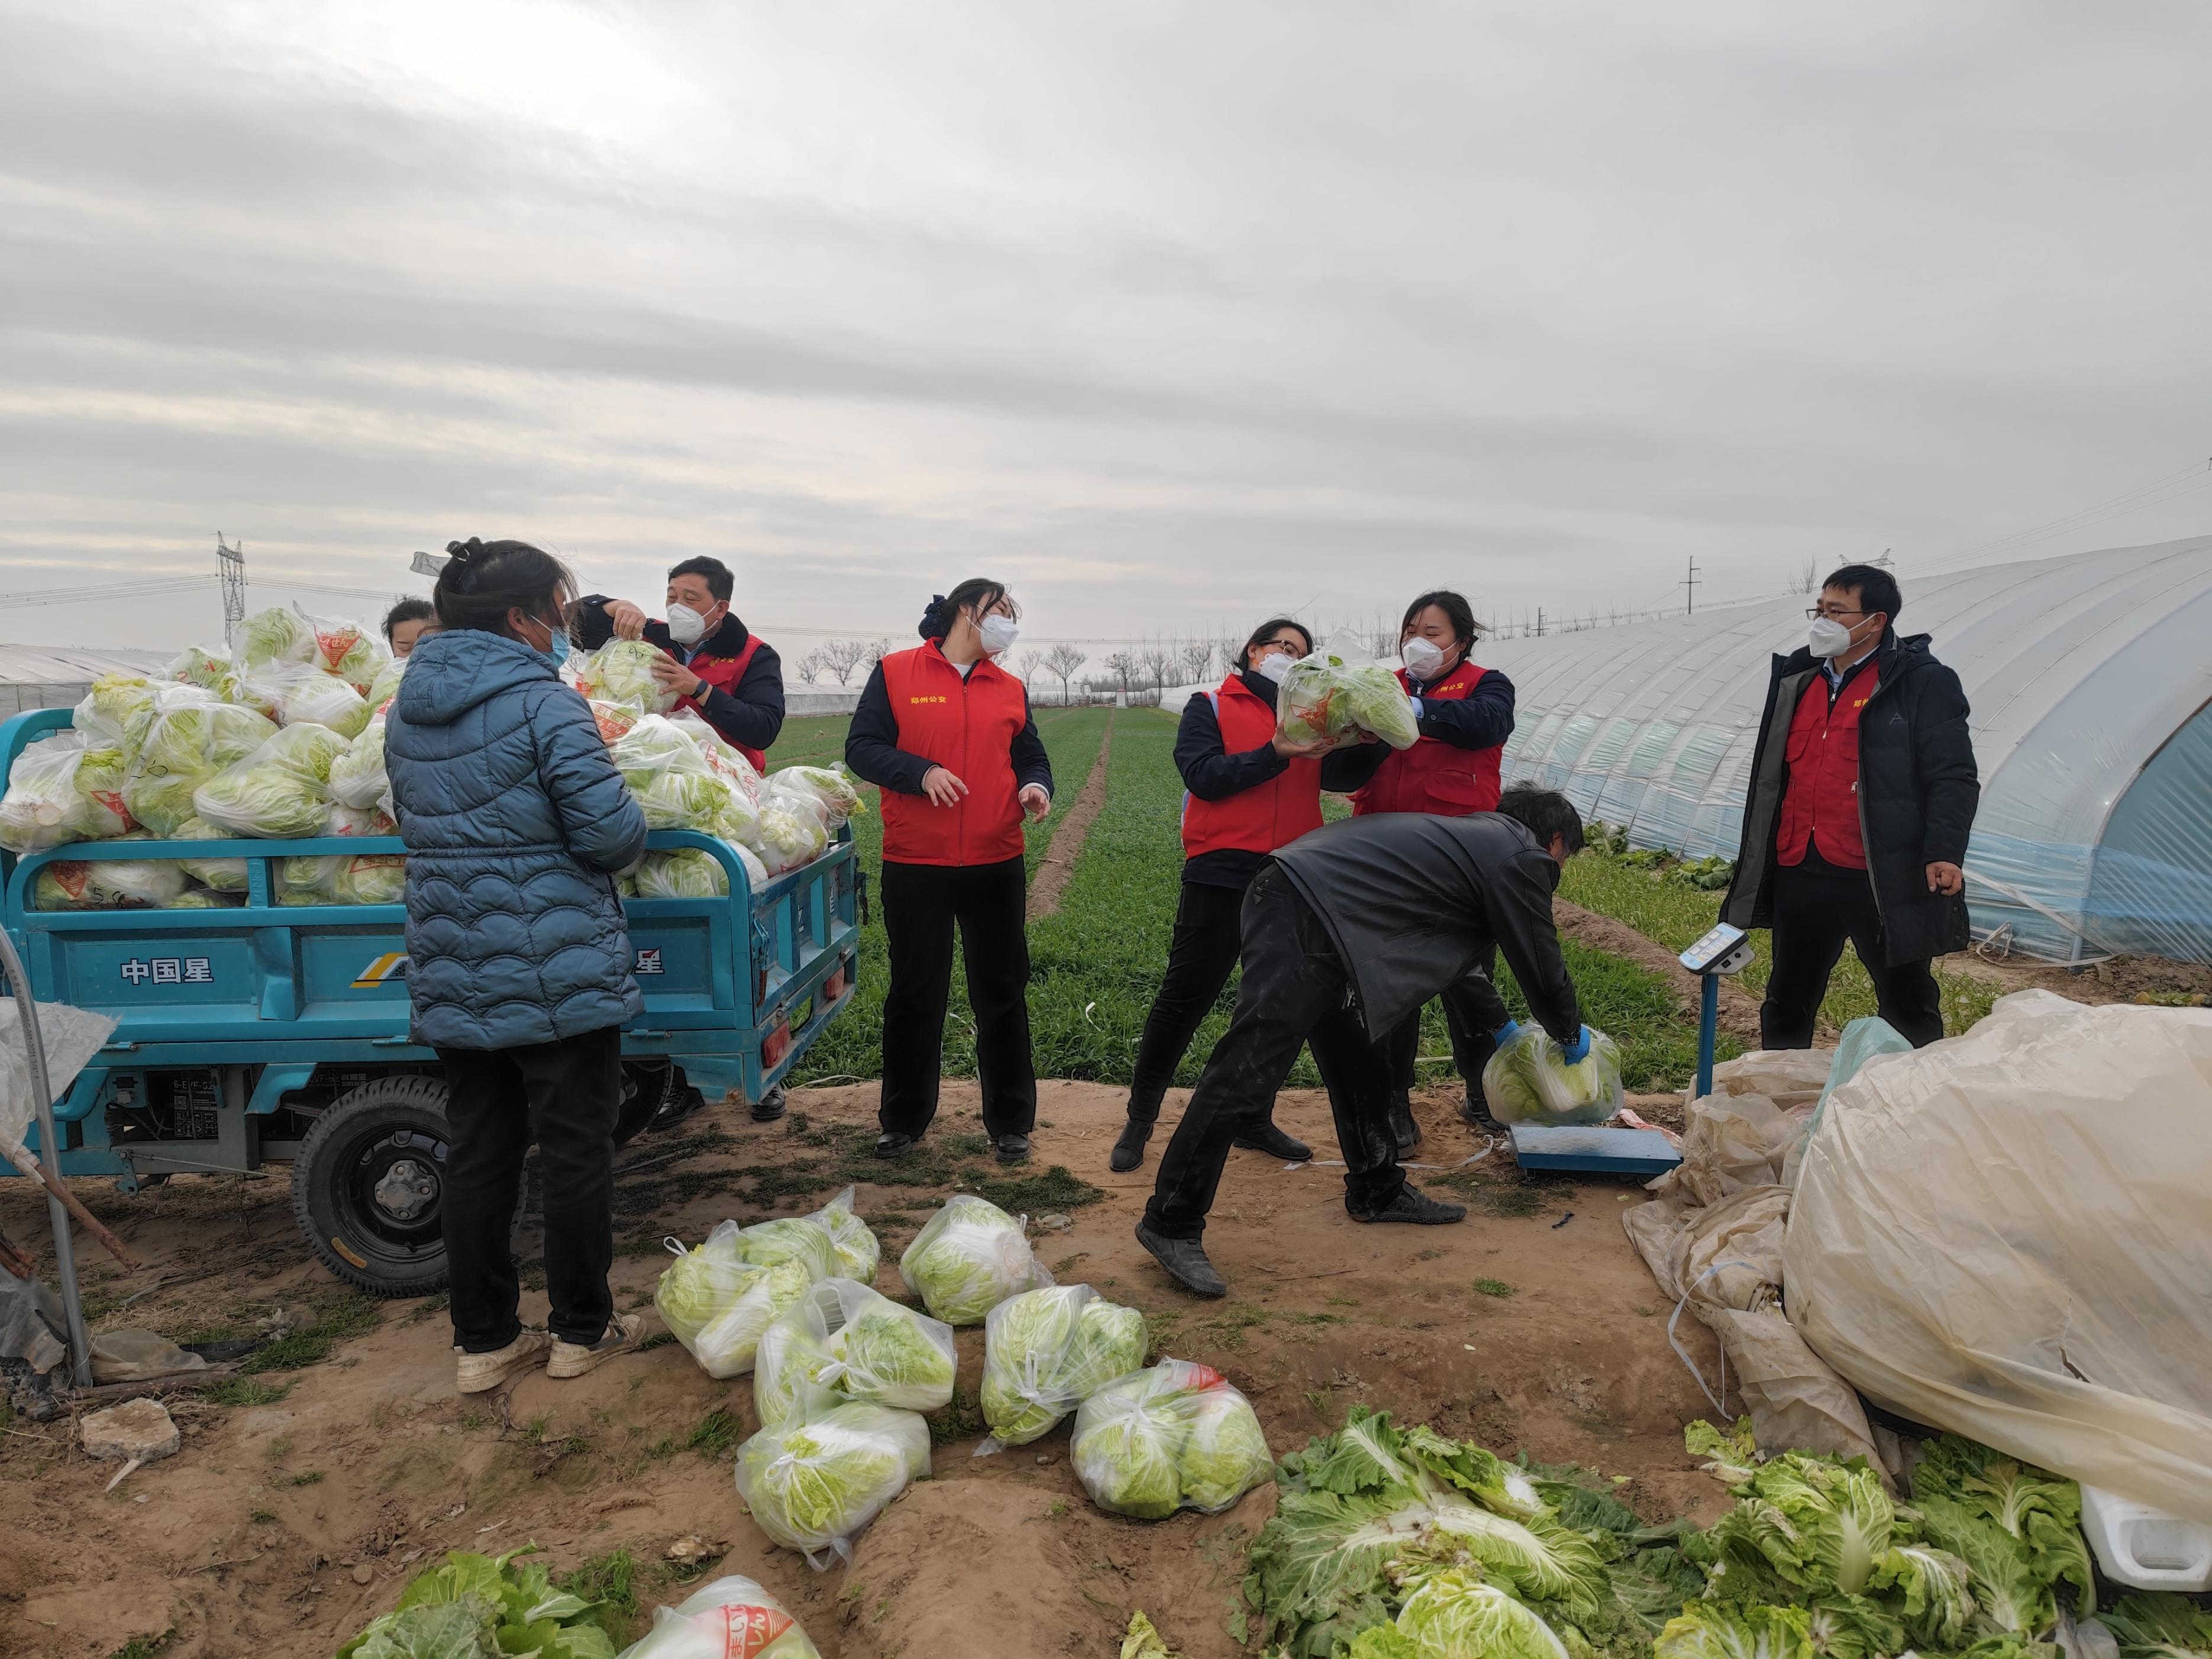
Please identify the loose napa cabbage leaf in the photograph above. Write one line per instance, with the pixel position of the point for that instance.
(1500, 1486)
(1930, 1590)
(1223, 1454)
(1143, 1639)
(1721, 1629)
(1454, 1615)
(967, 1258)
(1853, 1628)
(1820, 1526)
(1732, 1453)
(2009, 1599)
(2160, 1626)
(2040, 1508)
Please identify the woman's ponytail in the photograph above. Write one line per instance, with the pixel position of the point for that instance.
(945, 608)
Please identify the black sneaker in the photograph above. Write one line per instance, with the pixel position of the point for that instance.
(1129, 1150)
(1403, 1129)
(893, 1145)
(679, 1104)
(1011, 1149)
(1275, 1144)
(770, 1106)
(1475, 1112)
(1184, 1259)
(1414, 1206)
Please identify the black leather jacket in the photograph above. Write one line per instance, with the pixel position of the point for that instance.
(1413, 900)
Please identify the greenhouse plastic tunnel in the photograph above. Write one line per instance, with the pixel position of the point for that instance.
(2091, 681)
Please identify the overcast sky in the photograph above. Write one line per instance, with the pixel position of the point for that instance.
(1170, 314)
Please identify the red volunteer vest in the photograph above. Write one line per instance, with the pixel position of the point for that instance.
(727, 674)
(967, 726)
(1434, 776)
(1822, 797)
(1258, 820)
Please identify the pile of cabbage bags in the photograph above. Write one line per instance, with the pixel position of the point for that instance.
(1046, 1352)
(813, 1480)
(731, 1616)
(719, 1298)
(1175, 1436)
(843, 1337)
(1340, 693)
(967, 1258)
(1528, 1080)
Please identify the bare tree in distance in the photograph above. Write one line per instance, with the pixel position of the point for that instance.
(810, 666)
(1158, 661)
(1808, 579)
(878, 652)
(843, 656)
(1121, 666)
(1197, 660)
(1029, 663)
(1064, 660)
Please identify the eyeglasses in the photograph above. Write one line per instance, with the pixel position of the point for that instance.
(1287, 645)
(1818, 611)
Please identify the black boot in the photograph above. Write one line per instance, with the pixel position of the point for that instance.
(1274, 1143)
(1403, 1129)
(1475, 1112)
(1185, 1261)
(770, 1106)
(891, 1143)
(1414, 1206)
(1129, 1150)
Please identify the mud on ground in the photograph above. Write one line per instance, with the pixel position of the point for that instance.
(281, 1527)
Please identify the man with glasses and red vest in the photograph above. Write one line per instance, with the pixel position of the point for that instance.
(1862, 795)
(1465, 713)
(728, 677)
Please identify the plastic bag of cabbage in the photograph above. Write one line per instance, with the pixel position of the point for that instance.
(189, 739)
(280, 791)
(732, 1618)
(843, 1337)
(1528, 1081)
(62, 789)
(621, 673)
(858, 1249)
(815, 1480)
(1339, 692)
(967, 1258)
(1046, 1352)
(1175, 1436)
(719, 1297)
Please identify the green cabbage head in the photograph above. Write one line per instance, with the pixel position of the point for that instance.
(1127, 1440)
(816, 1479)
(967, 1258)
(1224, 1454)
(1454, 1615)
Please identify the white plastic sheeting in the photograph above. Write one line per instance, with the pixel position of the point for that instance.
(2091, 681)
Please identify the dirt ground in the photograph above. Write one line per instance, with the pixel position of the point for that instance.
(280, 1528)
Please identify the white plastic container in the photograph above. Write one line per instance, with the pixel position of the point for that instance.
(2144, 1548)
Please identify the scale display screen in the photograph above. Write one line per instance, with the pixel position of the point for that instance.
(1711, 953)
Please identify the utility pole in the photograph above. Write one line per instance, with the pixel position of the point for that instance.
(1691, 608)
(1539, 622)
(230, 565)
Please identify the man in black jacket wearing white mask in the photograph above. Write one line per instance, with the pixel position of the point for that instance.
(1344, 932)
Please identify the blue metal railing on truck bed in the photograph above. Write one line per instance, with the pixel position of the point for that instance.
(291, 988)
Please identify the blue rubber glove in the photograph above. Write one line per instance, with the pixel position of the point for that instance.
(1577, 1051)
(1505, 1033)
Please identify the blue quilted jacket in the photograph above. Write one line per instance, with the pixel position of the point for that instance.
(515, 820)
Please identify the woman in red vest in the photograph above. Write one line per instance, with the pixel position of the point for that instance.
(947, 734)
(1251, 791)
(1466, 714)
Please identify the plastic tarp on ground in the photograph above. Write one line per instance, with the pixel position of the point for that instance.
(2092, 696)
(2008, 1234)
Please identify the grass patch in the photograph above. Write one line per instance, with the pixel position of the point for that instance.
(1507, 1200)
(145, 1647)
(262, 1517)
(428, 1306)
(1495, 1287)
(610, 1580)
(962, 1419)
(1038, 1195)
(334, 1316)
(305, 1478)
(718, 1432)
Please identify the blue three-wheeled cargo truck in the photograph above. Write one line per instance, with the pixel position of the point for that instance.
(267, 1033)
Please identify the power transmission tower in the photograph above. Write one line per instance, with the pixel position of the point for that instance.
(1691, 608)
(230, 564)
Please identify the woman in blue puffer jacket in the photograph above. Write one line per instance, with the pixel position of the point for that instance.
(519, 963)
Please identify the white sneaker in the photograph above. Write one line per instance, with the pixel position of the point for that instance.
(623, 1334)
(480, 1372)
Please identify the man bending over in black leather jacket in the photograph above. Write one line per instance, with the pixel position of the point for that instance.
(1344, 932)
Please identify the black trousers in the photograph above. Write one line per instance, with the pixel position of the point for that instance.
(1817, 906)
(1473, 1010)
(1294, 992)
(565, 1096)
(1202, 952)
(921, 904)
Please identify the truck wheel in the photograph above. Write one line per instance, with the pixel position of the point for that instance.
(369, 1182)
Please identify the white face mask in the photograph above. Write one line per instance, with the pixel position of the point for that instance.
(1828, 637)
(1421, 657)
(998, 633)
(1276, 666)
(685, 625)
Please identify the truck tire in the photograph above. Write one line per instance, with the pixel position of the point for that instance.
(368, 1184)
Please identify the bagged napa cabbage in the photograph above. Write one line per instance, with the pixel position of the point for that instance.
(967, 1258)
(1527, 1081)
(1046, 1351)
(693, 873)
(621, 672)
(719, 754)
(843, 1337)
(62, 789)
(717, 1304)
(211, 670)
(732, 1618)
(188, 741)
(347, 650)
(673, 785)
(798, 1238)
(385, 686)
(787, 840)
(858, 1249)
(358, 777)
(279, 792)
(338, 878)
(1339, 692)
(274, 635)
(114, 710)
(303, 694)
(350, 821)
(109, 885)
(828, 786)
(224, 875)
(815, 1480)
(1175, 1436)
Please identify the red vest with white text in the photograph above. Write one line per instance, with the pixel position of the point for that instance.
(727, 674)
(1821, 799)
(1434, 776)
(1257, 820)
(968, 726)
